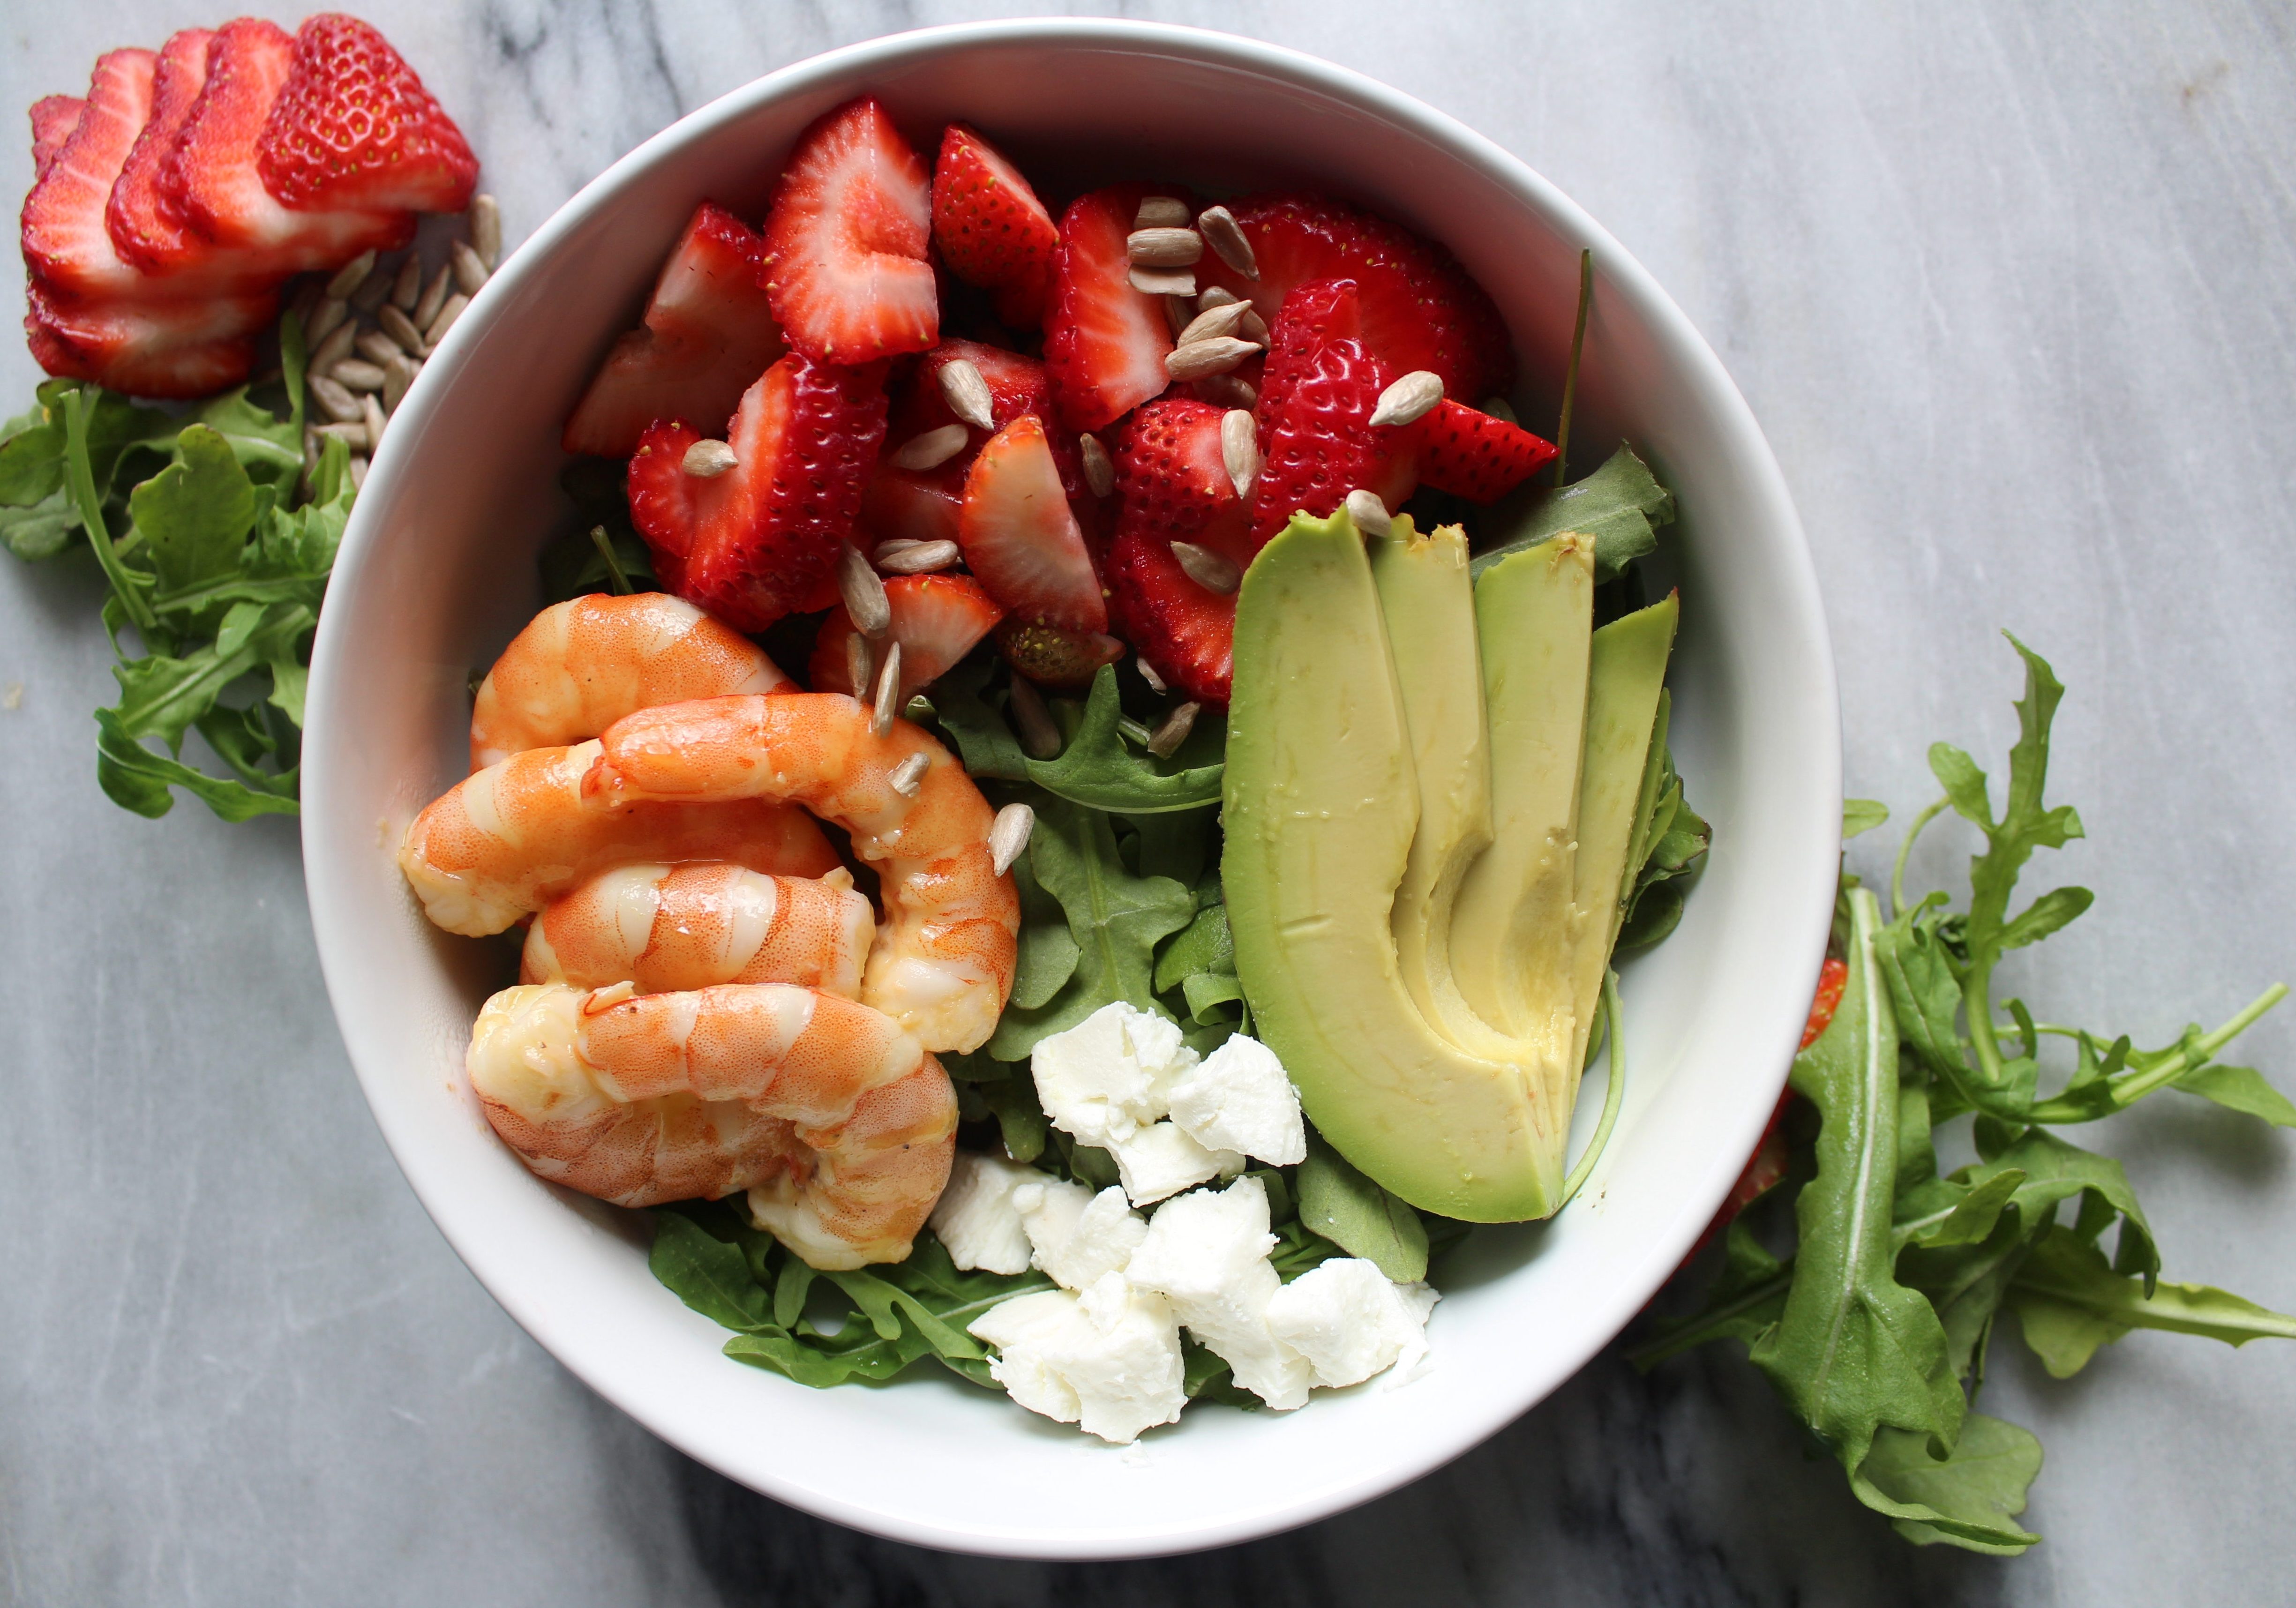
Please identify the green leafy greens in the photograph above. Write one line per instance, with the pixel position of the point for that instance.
(1874, 1325)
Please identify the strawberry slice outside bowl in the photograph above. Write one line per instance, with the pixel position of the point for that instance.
(437, 571)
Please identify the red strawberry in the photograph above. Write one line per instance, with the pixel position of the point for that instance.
(148, 348)
(845, 242)
(1315, 438)
(1104, 342)
(992, 230)
(1017, 386)
(1420, 309)
(937, 618)
(758, 541)
(353, 127)
(144, 231)
(1051, 657)
(1173, 485)
(1019, 537)
(54, 118)
(707, 335)
(1474, 454)
(65, 242)
(918, 505)
(1186, 632)
(211, 183)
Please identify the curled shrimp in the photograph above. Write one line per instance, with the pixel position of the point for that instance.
(665, 928)
(942, 963)
(502, 843)
(835, 1119)
(581, 665)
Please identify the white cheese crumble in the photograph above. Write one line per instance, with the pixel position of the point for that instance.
(1347, 1320)
(976, 1221)
(1160, 1159)
(1238, 1098)
(1108, 1077)
(1077, 1236)
(1206, 1253)
(1108, 1360)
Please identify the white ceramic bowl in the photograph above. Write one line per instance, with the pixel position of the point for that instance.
(437, 571)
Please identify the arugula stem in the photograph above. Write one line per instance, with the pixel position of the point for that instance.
(1977, 1005)
(2133, 1086)
(1570, 374)
(1905, 851)
(80, 472)
(613, 565)
(1613, 1092)
(1708, 1324)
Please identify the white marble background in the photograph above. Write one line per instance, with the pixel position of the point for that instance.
(2012, 288)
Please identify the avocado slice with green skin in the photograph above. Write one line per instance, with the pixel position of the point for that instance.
(1321, 805)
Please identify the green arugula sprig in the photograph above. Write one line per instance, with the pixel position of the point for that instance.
(1875, 1325)
(216, 553)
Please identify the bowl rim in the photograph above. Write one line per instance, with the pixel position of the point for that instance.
(1624, 275)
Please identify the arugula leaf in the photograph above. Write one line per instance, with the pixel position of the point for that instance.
(1204, 946)
(1049, 950)
(1743, 1303)
(134, 777)
(40, 530)
(1982, 1486)
(2240, 1088)
(1097, 765)
(1674, 839)
(1862, 815)
(2070, 1303)
(1621, 505)
(195, 513)
(1342, 1205)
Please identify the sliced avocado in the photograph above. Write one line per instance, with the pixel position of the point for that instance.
(1321, 805)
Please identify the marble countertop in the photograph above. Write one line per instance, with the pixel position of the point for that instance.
(2012, 291)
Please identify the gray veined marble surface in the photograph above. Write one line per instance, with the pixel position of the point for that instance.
(2011, 288)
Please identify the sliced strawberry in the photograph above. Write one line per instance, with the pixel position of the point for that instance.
(1104, 342)
(65, 242)
(1420, 309)
(758, 541)
(144, 231)
(177, 349)
(1474, 454)
(1173, 485)
(1019, 536)
(1051, 657)
(992, 230)
(845, 242)
(708, 334)
(1187, 633)
(211, 183)
(354, 127)
(54, 118)
(937, 619)
(1315, 438)
(1832, 980)
(911, 504)
(1017, 386)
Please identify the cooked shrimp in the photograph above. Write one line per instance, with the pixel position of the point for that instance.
(581, 665)
(942, 963)
(504, 842)
(671, 927)
(833, 1116)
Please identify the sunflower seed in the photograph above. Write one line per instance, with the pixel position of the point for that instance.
(326, 319)
(1216, 295)
(353, 436)
(400, 327)
(356, 375)
(1370, 514)
(967, 394)
(434, 297)
(470, 273)
(1226, 390)
(358, 473)
(333, 400)
(1163, 248)
(406, 289)
(931, 450)
(863, 591)
(1148, 674)
(1216, 356)
(1499, 407)
(1173, 730)
(1009, 835)
(1221, 320)
(486, 230)
(1253, 327)
(860, 662)
(1040, 739)
(1161, 212)
(1176, 314)
(1240, 449)
(333, 350)
(376, 347)
(1213, 571)
(1227, 238)
(350, 276)
(917, 558)
(434, 331)
(1163, 281)
(397, 376)
(888, 692)
(1409, 399)
(707, 460)
(909, 775)
(1099, 473)
(371, 413)
(372, 295)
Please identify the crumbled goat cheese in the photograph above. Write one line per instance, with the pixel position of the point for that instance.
(1238, 1098)
(1207, 1254)
(1077, 1236)
(1108, 1360)
(1108, 1077)
(1160, 1159)
(1349, 1321)
(976, 1219)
